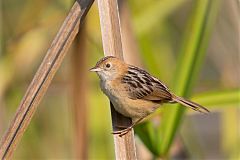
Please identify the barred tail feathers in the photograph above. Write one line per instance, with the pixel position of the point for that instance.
(190, 104)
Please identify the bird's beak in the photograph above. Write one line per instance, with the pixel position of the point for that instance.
(95, 69)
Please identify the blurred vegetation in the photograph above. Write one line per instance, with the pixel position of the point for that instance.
(190, 45)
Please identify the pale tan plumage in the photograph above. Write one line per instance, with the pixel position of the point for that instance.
(134, 92)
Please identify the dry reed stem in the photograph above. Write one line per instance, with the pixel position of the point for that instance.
(111, 37)
(79, 89)
(43, 77)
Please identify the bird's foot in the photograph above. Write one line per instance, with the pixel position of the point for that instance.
(123, 132)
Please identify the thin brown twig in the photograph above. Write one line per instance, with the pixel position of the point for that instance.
(79, 89)
(43, 77)
(112, 45)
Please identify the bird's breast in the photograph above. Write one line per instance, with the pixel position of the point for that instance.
(113, 93)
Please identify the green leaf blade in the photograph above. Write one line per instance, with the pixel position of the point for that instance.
(191, 56)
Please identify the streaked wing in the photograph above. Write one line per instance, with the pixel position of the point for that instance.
(141, 85)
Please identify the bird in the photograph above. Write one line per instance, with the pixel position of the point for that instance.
(134, 92)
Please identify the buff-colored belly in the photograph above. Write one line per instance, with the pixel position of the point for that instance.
(134, 109)
(128, 107)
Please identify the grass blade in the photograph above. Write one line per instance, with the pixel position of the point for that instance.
(191, 56)
(147, 134)
(219, 99)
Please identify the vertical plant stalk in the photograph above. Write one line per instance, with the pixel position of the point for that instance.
(112, 45)
(79, 94)
(129, 42)
(2, 117)
(191, 56)
(43, 77)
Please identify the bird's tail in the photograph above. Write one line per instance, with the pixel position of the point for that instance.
(190, 104)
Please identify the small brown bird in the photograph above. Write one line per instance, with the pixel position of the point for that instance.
(134, 92)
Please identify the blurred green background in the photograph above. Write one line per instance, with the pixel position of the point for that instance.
(192, 46)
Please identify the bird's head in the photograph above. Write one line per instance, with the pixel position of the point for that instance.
(109, 68)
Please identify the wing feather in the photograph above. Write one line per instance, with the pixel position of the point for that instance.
(141, 85)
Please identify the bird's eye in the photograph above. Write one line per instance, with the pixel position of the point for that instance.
(108, 65)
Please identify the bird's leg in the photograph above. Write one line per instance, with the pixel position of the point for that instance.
(122, 126)
(126, 130)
